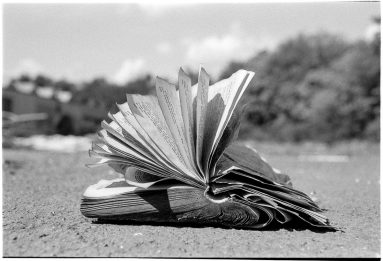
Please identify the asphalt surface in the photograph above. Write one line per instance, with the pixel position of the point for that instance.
(41, 216)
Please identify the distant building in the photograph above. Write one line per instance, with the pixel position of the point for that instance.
(65, 117)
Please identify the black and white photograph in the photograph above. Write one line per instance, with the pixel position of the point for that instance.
(143, 129)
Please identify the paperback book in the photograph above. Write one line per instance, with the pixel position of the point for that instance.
(179, 162)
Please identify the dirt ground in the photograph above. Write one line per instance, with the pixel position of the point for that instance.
(41, 211)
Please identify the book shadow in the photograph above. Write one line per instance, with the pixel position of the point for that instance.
(291, 226)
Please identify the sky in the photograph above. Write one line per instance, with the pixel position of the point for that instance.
(121, 42)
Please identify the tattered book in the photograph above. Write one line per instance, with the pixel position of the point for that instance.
(179, 162)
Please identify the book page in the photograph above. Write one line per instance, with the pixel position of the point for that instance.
(217, 102)
(128, 156)
(112, 157)
(151, 145)
(141, 179)
(143, 136)
(127, 130)
(230, 134)
(169, 102)
(151, 163)
(241, 81)
(135, 137)
(120, 163)
(223, 98)
(137, 131)
(186, 100)
(147, 112)
(201, 104)
(121, 148)
(118, 132)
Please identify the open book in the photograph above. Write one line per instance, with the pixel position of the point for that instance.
(178, 162)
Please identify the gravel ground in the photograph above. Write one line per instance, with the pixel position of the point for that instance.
(41, 217)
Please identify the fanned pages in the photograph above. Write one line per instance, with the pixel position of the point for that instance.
(178, 162)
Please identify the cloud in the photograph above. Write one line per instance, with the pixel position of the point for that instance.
(155, 9)
(371, 31)
(129, 70)
(150, 8)
(163, 48)
(28, 66)
(215, 51)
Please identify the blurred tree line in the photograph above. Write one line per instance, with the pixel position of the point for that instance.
(98, 89)
(101, 90)
(318, 87)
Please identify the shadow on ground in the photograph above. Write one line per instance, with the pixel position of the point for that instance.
(295, 225)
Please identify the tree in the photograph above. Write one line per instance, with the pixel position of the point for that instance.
(102, 91)
(65, 86)
(42, 80)
(313, 87)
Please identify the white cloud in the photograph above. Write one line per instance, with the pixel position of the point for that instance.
(215, 51)
(151, 8)
(155, 9)
(163, 48)
(371, 31)
(129, 70)
(27, 66)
